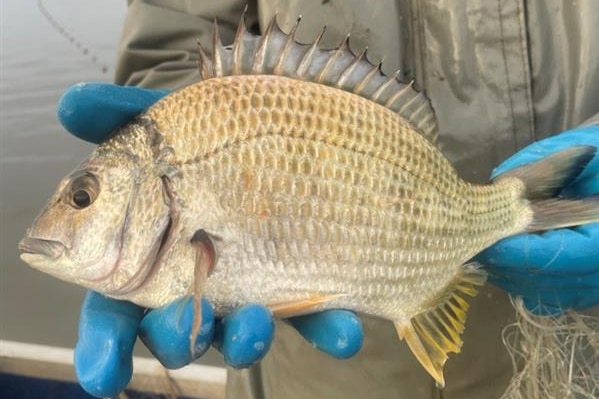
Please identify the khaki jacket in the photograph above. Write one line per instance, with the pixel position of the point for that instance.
(500, 74)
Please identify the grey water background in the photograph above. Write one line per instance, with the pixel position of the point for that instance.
(38, 62)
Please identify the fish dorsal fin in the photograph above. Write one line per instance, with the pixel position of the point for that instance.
(431, 335)
(278, 53)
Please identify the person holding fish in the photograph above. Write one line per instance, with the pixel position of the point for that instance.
(494, 90)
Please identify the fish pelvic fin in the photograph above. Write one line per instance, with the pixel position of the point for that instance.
(434, 333)
(301, 306)
(204, 264)
(543, 181)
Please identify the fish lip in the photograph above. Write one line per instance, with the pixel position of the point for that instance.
(41, 246)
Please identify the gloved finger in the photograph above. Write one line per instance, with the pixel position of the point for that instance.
(103, 354)
(336, 332)
(245, 335)
(583, 290)
(523, 282)
(563, 251)
(92, 111)
(556, 303)
(551, 290)
(573, 299)
(166, 330)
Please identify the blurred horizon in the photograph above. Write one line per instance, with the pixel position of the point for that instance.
(46, 47)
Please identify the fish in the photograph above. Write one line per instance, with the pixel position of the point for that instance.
(300, 178)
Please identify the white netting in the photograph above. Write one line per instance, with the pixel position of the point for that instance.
(554, 357)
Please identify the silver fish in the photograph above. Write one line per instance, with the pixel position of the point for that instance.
(300, 178)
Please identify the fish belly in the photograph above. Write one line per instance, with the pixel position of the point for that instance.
(299, 218)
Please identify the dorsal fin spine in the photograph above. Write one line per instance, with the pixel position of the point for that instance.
(364, 81)
(427, 124)
(419, 109)
(258, 64)
(238, 44)
(217, 47)
(331, 61)
(397, 95)
(204, 63)
(278, 69)
(375, 96)
(408, 103)
(350, 68)
(307, 58)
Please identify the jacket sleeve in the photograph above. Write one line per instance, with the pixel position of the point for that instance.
(158, 47)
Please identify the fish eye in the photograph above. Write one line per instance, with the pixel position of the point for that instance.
(82, 191)
(82, 198)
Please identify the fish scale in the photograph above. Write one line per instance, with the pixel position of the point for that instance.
(339, 202)
(277, 201)
(403, 150)
(412, 194)
(299, 178)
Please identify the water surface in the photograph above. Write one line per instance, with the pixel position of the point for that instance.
(43, 52)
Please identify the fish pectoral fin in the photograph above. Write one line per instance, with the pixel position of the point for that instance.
(431, 335)
(301, 306)
(204, 264)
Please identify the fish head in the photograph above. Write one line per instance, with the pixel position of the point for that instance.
(86, 232)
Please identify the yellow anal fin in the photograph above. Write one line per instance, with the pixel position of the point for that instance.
(431, 335)
(301, 306)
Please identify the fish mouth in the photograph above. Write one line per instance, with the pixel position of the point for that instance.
(39, 246)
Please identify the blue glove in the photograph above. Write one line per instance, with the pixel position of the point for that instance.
(558, 269)
(108, 328)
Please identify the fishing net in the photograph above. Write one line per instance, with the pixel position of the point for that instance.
(554, 357)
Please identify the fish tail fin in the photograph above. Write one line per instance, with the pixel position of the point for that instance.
(557, 213)
(433, 334)
(543, 181)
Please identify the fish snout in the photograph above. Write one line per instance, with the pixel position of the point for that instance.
(39, 246)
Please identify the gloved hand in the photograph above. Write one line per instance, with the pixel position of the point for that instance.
(108, 328)
(557, 269)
